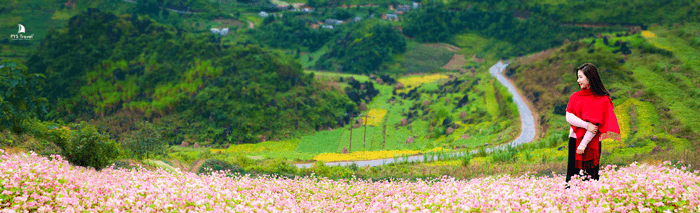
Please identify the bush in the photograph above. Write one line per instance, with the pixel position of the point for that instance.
(219, 165)
(90, 148)
(19, 100)
(146, 142)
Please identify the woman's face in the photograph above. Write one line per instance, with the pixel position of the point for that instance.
(582, 80)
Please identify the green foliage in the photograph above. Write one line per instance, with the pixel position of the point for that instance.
(609, 11)
(88, 147)
(146, 141)
(19, 99)
(290, 32)
(134, 64)
(423, 58)
(332, 172)
(219, 165)
(434, 24)
(363, 48)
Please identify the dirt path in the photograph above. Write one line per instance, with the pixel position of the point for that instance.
(196, 164)
(178, 164)
(251, 25)
(449, 47)
(456, 62)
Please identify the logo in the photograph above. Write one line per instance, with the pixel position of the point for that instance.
(21, 36)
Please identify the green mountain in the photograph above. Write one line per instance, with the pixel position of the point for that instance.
(121, 68)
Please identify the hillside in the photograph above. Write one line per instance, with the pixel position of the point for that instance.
(652, 78)
(609, 12)
(127, 68)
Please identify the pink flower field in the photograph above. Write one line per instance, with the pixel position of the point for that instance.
(34, 183)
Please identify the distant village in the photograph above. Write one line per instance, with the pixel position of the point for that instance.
(329, 23)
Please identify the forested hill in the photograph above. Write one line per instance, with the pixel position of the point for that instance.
(638, 12)
(124, 68)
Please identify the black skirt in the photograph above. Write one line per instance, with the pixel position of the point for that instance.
(571, 170)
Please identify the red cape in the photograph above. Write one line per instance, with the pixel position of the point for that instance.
(598, 110)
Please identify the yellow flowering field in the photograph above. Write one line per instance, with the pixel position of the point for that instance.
(623, 120)
(375, 116)
(677, 143)
(368, 155)
(445, 163)
(473, 161)
(416, 81)
(645, 114)
(651, 37)
(648, 34)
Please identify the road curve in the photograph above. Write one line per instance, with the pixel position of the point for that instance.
(527, 132)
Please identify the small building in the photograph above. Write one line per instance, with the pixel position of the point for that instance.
(263, 14)
(333, 21)
(222, 32)
(403, 8)
(308, 9)
(327, 27)
(358, 18)
(416, 5)
(392, 16)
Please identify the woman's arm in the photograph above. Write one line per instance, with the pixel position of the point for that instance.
(584, 142)
(573, 120)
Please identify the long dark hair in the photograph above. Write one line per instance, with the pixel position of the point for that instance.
(591, 72)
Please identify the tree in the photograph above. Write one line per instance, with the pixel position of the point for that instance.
(18, 98)
(312, 3)
(90, 148)
(147, 7)
(146, 142)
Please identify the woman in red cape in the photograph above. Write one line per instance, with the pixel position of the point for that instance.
(592, 118)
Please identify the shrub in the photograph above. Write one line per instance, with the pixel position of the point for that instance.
(18, 99)
(219, 165)
(89, 148)
(146, 142)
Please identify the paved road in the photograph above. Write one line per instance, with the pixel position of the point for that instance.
(527, 133)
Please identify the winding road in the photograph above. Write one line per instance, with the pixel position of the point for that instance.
(527, 133)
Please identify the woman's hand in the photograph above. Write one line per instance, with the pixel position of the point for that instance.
(580, 150)
(592, 128)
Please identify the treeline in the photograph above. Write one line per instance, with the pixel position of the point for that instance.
(363, 48)
(290, 32)
(131, 68)
(435, 23)
(639, 12)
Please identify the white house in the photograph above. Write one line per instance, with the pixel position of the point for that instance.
(263, 14)
(333, 21)
(327, 27)
(222, 32)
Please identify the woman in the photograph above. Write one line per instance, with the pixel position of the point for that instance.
(589, 109)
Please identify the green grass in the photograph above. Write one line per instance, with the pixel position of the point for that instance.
(336, 76)
(422, 58)
(677, 99)
(488, 49)
(305, 62)
(495, 131)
